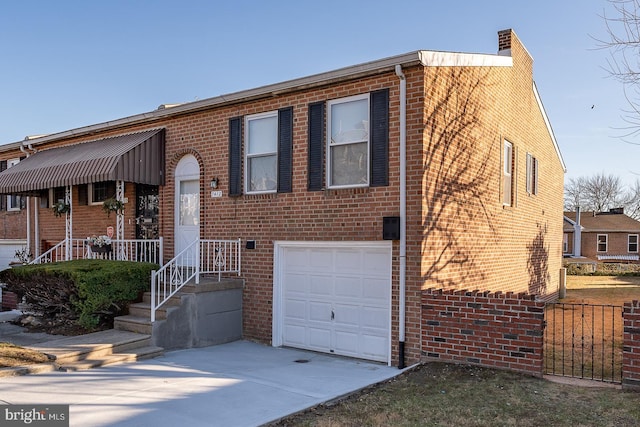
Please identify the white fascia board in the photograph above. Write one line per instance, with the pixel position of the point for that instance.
(549, 128)
(454, 59)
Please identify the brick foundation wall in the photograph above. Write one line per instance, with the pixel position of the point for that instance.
(493, 330)
(631, 346)
(9, 300)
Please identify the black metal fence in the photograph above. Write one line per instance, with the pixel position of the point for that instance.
(584, 341)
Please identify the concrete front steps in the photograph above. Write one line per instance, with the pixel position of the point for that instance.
(139, 318)
(205, 314)
(98, 349)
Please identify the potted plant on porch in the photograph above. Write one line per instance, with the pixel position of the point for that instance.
(99, 244)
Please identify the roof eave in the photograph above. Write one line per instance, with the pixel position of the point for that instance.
(421, 57)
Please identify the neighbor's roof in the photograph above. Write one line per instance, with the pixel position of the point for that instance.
(605, 222)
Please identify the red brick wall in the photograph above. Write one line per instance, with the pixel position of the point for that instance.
(503, 331)
(458, 232)
(631, 346)
(9, 300)
(88, 220)
(617, 244)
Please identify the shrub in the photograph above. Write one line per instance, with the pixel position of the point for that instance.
(602, 269)
(91, 291)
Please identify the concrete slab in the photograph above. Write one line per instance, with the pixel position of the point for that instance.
(21, 336)
(241, 384)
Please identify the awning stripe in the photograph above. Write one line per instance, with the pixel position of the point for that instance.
(136, 157)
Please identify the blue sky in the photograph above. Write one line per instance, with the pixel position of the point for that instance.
(67, 64)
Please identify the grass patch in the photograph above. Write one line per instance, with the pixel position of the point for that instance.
(438, 394)
(13, 355)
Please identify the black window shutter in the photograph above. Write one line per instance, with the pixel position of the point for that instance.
(44, 198)
(235, 156)
(316, 146)
(379, 128)
(3, 198)
(83, 194)
(285, 149)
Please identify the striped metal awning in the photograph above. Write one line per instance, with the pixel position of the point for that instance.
(134, 157)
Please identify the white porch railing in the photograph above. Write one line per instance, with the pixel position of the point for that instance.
(200, 257)
(137, 250)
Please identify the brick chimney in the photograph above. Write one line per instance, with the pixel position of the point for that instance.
(504, 42)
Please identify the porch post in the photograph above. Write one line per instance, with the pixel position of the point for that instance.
(120, 220)
(68, 224)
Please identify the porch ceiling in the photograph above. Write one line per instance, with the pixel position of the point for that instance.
(134, 157)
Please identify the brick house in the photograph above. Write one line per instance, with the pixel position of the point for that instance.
(601, 236)
(351, 192)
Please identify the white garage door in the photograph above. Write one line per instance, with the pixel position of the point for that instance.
(8, 248)
(334, 298)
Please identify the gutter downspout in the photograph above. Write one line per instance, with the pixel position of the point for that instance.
(403, 215)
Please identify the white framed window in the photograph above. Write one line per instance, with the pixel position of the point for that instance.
(565, 243)
(348, 142)
(632, 243)
(261, 153)
(507, 173)
(532, 174)
(101, 191)
(13, 201)
(603, 242)
(56, 195)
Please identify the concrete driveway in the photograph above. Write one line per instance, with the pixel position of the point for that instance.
(236, 384)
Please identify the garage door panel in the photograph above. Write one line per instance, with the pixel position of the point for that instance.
(296, 260)
(295, 335)
(319, 339)
(321, 286)
(320, 260)
(319, 311)
(346, 315)
(374, 347)
(349, 261)
(375, 289)
(348, 286)
(295, 309)
(374, 317)
(346, 343)
(339, 302)
(375, 261)
(297, 283)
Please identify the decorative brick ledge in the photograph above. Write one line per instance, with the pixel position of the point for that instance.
(491, 329)
(631, 346)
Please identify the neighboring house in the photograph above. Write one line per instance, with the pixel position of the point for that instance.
(602, 236)
(351, 191)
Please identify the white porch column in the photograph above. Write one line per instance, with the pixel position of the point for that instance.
(68, 223)
(121, 254)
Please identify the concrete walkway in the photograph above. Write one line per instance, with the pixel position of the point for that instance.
(236, 384)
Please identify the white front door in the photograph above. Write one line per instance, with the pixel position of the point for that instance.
(187, 213)
(334, 297)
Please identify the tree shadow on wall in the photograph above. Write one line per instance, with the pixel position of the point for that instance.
(457, 222)
(538, 263)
